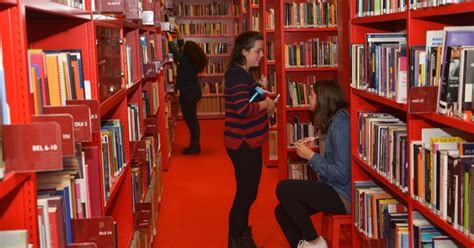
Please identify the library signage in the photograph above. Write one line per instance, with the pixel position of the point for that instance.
(81, 119)
(67, 133)
(94, 107)
(32, 147)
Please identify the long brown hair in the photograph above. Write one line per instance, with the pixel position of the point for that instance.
(196, 55)
(245, 40)
(330, 99)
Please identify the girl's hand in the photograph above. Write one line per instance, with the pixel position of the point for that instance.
(271, 105)
(312, 100)
(169, 37)
(263, 82)
(303, 150)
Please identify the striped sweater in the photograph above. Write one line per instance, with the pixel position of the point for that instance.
(244, 121)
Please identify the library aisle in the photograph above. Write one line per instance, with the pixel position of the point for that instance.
(198, 192)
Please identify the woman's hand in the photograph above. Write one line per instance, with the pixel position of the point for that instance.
(270, 105)
(312, 100)
(303, 150)
(263, 82)
(169, 37)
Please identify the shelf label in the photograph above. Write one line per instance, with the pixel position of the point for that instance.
(142, 215)
(423, 99)
(151, 126)
(32, 147)
(94, 107)
(67, 133)
(138, 155)
(100, 230)
(81, 119)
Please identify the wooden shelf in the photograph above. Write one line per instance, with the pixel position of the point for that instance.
(450, 9)
(380, 99)
(203, 17)
(438, 221)
(294, 109)
(311, 29)
(383, 180)
(310, 69)
(400, 16)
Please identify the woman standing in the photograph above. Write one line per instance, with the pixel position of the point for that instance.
(299, 199)
(246, 130)
(191, 61)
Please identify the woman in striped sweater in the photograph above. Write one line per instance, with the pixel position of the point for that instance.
(246, 130)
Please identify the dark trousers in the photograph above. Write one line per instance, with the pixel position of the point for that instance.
(299, 199)
(247, 169)
(188, 99)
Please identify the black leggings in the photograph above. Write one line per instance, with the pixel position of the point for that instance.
(299, 199)
(247, 169)
(188, 99)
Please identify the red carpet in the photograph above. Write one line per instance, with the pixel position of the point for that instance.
(198, 193)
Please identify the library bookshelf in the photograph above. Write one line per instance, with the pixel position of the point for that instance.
(414, 22)
(213, 26)
(110, 87)
(295, 39)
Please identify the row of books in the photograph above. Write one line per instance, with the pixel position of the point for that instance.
(213, 48)
(270, 19)
(379, 7)
(209, 89)
(150, 103)
(313, 13)
(379, 216)
(215, 67)
(134, 127)
(312, 53)
(416, 4)
(380, 65)
(382, 143)
(56, 76)
(202, 10)
(273, 144)
(256, 22)
(211, 106)
(442, 176)
(207, 28)
(298, 91)
(299, 130)
(300, 170)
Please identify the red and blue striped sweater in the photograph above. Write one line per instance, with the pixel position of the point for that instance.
(244, 121)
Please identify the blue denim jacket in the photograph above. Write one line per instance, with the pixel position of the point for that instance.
(335, 167)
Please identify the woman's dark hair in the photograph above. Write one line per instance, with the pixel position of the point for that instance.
(245, 40)
(196, 55)
(330, 99)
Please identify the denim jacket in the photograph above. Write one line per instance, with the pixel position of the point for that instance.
(335, 166)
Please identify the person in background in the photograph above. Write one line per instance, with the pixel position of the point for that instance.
(246, 130)
(191, 61)
(299, 199)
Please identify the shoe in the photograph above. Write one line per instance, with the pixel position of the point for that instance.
(191, 150)
(319, 243)
(248, 241)
(235, 241)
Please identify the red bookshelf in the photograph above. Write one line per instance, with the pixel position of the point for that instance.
(415, 23)
(288, 34)
(47, 25)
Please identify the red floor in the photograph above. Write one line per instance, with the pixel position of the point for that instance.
(198, 192)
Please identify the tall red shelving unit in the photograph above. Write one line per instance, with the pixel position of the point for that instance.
(29, 24)
(286, 35)
(415, 22)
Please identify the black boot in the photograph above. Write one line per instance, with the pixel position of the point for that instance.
(248, 241)
(193, 149)
(235, 241)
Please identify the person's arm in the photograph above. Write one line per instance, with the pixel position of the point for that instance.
(173, 49)
(338, 170)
